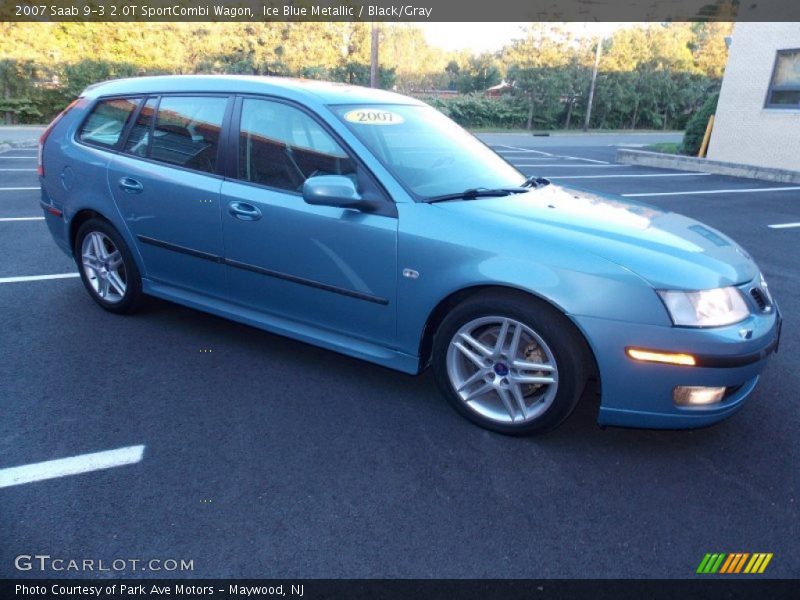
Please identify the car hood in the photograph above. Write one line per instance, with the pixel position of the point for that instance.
(668, 250)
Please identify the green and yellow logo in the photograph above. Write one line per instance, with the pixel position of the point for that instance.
(734, 562)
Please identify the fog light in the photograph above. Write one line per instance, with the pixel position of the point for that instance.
(686, 395)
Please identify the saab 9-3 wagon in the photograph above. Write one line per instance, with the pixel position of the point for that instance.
(368, 223)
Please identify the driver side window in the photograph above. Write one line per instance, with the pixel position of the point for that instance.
(281, 146)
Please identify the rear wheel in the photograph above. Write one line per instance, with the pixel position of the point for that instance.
(510, 363)
(107, 268)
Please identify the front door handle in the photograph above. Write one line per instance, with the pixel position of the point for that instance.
(131, 186)
(244, 211)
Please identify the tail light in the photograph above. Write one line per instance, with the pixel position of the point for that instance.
(43, 138)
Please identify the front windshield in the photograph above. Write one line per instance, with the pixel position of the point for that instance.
(428, 153)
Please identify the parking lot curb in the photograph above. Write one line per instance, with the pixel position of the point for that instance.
(689, 163)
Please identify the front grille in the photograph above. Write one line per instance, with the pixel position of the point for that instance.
(761, 299)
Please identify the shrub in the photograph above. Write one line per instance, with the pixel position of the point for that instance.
(476, 110)
(696, 128)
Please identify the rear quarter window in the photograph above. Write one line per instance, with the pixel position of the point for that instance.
(107, 121)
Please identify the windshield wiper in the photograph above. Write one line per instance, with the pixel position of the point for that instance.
(534, 182)
(473, 193)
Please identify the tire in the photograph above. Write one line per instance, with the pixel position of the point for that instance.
(107, 268)
(497, 386)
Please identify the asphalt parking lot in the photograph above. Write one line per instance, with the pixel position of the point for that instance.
(256, 456)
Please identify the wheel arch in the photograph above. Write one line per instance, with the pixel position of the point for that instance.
(89, 212)
(439, 312)
(78, 219)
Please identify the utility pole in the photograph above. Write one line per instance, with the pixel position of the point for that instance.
(593, 84)
(373, 66)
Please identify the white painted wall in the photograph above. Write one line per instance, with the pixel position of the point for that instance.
(746, 132)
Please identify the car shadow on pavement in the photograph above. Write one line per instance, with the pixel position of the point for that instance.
(416, 396)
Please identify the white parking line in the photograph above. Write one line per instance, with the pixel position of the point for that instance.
(591, 160)
(699, 192)
(38, 277)
(575, 166)
(26, 170)
(628, 176)
(73, 465)
(784, 225)
(512, 158)
(17, 189)
(7, 219)
(523, 152)
(515, 149)
(563, 156)
(2, 157)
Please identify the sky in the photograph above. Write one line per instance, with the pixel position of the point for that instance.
(488, 37)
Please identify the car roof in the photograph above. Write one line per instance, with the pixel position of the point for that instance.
(302, 90)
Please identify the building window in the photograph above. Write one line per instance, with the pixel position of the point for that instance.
(784, 91)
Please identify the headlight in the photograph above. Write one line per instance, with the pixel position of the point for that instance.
(706, 308)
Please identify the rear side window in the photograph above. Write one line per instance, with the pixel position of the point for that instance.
(107, 121)
(281, 146)
(187, 132)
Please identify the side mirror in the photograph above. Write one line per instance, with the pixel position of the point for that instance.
(334, 190)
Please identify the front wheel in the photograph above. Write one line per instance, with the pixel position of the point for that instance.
(107, 268)
(510, 363)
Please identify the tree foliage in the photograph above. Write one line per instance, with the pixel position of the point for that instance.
(479, 74)
(651, 76)
(696, 128)
(476, 110)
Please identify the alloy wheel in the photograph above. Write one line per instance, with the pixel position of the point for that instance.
(103, 267)
(502, 369)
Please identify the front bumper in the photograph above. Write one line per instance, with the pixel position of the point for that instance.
(640, 394)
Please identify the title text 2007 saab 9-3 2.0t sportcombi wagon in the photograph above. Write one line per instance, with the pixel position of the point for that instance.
(368, 223)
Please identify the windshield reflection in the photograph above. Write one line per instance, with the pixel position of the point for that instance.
(427, 152)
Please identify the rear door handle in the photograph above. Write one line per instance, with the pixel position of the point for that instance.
(244, 211)
(131, 186)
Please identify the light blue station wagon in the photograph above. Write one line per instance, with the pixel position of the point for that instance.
(368, 223)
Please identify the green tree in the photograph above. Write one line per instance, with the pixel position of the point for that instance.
(453, 71)
(653, 75)
(480, 73)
